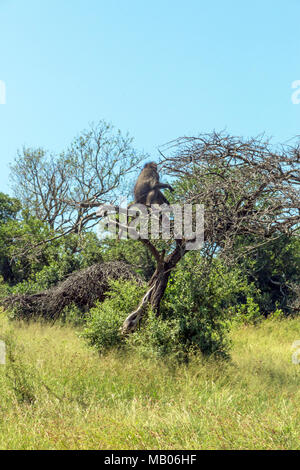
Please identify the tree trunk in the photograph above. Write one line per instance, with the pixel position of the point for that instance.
(160, 281)
(157, 286)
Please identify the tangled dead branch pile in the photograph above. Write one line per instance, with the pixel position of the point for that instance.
(82, 288)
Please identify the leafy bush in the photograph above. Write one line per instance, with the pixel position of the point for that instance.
(4, 288)
(196, 313)
(277, 315)
(202, 301)
(105, 319)
(247, 313)
(158, 338)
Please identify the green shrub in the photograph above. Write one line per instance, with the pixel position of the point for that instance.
(158, 338)
(277, 315)
(105, 319)
(200, 299)
(4, 288)
(197, 311)
(248, 313)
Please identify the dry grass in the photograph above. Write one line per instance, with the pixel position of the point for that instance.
(58, 394)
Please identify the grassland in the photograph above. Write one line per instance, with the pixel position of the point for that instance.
(56, 393)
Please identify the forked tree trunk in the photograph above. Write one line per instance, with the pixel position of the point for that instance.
(157, 285)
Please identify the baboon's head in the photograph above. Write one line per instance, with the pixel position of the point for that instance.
(151, 165)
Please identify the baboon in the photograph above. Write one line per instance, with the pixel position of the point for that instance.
(147, 188)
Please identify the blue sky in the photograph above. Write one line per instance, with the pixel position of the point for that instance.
(157, 69)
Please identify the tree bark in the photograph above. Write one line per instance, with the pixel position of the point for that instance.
(157, 285)
(160, 281)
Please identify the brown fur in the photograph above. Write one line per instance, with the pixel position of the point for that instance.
(147, 188)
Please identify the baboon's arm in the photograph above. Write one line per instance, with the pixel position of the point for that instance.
(163, 186)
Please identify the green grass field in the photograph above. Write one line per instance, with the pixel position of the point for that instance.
(56, 393)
